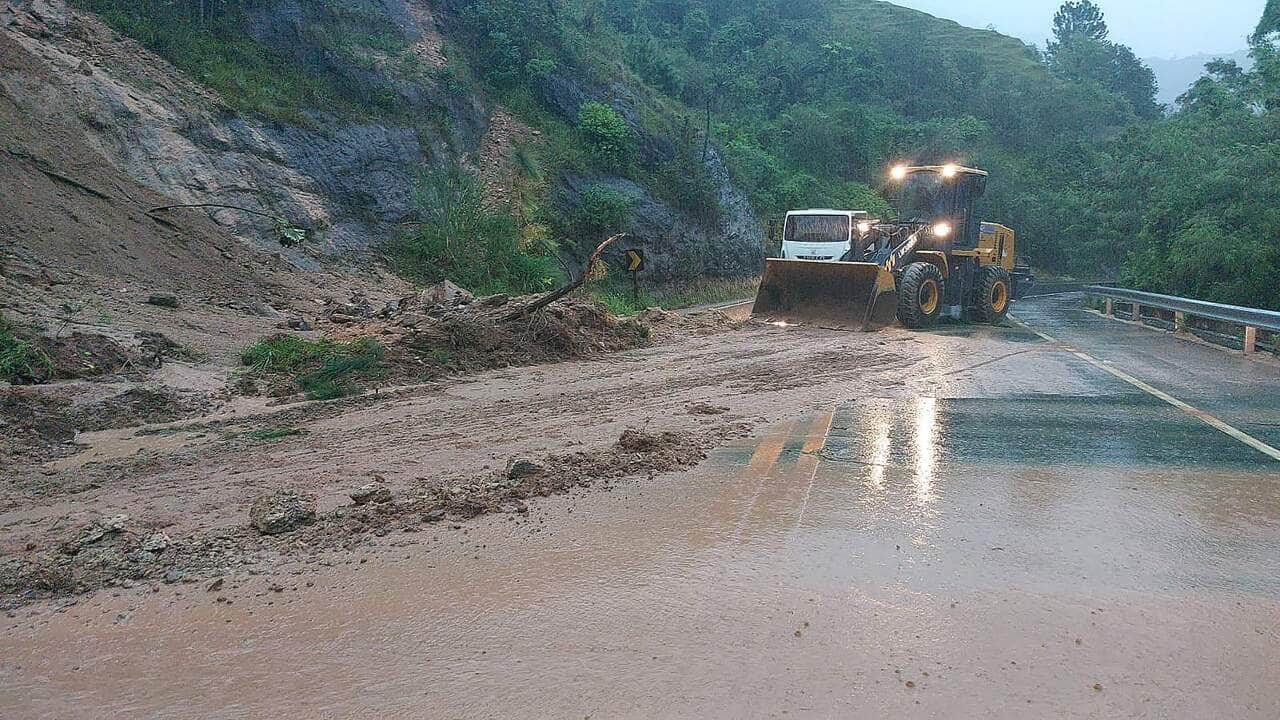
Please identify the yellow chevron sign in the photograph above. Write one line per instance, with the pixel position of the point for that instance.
(635, 260)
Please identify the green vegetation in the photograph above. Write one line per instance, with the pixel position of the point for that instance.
(806, 102)
(605, 135)
(208, 41)
(215, 51)
(600, 210)
(20, 359)
(321, 369)
(460, 239)
(1189, 204)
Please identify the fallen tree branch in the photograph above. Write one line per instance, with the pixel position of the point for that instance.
(555, 295)
(164, 208)
(287, 233)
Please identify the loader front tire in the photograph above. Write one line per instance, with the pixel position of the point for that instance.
(992, 296)
(920, 295)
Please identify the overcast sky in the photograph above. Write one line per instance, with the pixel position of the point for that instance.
(1153, 28)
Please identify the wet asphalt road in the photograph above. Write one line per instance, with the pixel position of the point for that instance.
(1031, 537)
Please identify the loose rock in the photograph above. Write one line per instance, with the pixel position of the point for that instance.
(156, 543)
(163, 299)
(371, 493)
(702, 408)
(282, 511)
(520, 468)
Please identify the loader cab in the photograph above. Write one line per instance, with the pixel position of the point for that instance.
(942, 198)
(822, 234)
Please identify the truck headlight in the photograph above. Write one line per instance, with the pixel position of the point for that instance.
(942, 230)
(864, 228)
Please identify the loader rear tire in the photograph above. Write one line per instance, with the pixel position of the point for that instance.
(993, 295)
(920, 295)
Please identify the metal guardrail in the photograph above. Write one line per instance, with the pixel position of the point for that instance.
(1250, 319)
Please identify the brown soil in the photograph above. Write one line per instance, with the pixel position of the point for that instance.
(115, 550)
(80, 253)
(451, 445)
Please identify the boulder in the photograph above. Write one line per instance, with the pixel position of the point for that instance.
(163, 299)
(520, 468)
(445, 292)
(371, 493)
(282, 511)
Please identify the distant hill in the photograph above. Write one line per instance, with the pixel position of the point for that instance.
(1176, 75)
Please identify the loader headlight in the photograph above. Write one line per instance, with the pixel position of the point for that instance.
(942, 230)
(899, 172)
(864, 228)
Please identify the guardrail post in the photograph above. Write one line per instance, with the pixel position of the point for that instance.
(1179, 322)
(1250, 343)
(1137, 313)
(1110, 308)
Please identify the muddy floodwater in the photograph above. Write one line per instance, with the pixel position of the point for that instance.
(900, 557)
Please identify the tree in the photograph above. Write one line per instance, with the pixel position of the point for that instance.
(1112, 66)
(1078, 18)
(1080, 51)
(1269, 24)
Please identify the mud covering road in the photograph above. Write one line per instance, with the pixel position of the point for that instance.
(967, 522)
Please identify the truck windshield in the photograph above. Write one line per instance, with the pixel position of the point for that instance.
(925, 196)
(817, 228)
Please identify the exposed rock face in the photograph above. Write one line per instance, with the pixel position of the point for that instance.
(676, 246)
(353, 180)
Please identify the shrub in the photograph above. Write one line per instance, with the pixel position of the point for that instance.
(461, 240)
(605, 133)
(21, 361)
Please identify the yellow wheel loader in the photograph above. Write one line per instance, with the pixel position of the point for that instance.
(935, 258)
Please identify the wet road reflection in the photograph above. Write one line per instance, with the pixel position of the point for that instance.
(1003, 555)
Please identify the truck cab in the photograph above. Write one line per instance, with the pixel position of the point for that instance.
(822, 234)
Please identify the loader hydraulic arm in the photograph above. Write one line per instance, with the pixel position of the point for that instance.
(891, 257)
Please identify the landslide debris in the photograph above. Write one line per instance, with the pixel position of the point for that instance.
(282, 511)
(70, 357)
(439, 332)
(39, 423)
(284, 526)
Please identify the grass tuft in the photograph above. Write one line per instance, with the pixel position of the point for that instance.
(20, 359)
(321, 369)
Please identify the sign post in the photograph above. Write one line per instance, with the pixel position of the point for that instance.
(635, 263)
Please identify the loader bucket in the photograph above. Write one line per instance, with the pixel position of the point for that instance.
(859, 296)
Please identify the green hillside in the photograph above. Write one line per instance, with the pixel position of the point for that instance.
(806, 102)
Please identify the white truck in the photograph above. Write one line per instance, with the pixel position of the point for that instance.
(822, 234)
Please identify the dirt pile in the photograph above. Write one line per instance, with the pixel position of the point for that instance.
(481, 335)
(40, 423)
(438, 333)
(283, 524)
(665, 324)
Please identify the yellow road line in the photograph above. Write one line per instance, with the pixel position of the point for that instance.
(761, 464)
(808, 462)
(818, 430)
(769, 449)
(1195, 412)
